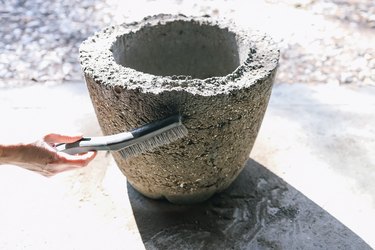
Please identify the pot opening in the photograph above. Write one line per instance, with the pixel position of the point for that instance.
(179, 48)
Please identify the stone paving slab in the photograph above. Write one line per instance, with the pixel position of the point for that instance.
(308, 184)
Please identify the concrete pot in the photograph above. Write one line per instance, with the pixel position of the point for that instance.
(218, 76)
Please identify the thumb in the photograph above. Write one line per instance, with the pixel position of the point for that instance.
(59, 138)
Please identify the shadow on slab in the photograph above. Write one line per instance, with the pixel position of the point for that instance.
(258, 211)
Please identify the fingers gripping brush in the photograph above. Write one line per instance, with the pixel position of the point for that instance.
(135, 142)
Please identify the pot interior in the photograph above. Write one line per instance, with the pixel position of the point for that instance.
(179, 48)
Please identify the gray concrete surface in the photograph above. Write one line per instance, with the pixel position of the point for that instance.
(308, 185)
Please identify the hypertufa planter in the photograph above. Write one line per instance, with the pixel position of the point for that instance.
(219, 77)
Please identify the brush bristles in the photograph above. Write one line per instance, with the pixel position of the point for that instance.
(156, 141)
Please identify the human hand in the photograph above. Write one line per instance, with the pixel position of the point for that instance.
(42, 157)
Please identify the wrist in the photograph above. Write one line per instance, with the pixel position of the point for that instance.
(2, 153)
(9, 153)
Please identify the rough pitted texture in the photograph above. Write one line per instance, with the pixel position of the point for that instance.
(216, 75)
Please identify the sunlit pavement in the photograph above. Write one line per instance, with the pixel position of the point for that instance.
(319, 139)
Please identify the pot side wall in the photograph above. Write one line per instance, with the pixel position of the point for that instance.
(222, 130)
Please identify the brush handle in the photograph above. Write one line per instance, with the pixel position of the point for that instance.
(100, 143)
(121, 140)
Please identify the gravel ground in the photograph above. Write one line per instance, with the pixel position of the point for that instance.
(342, 51)
(40, 39)
(321, 41)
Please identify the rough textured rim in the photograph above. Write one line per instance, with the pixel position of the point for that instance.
(98, 61)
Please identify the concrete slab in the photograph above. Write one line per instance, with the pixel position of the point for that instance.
(308, 185)
(321, 140)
